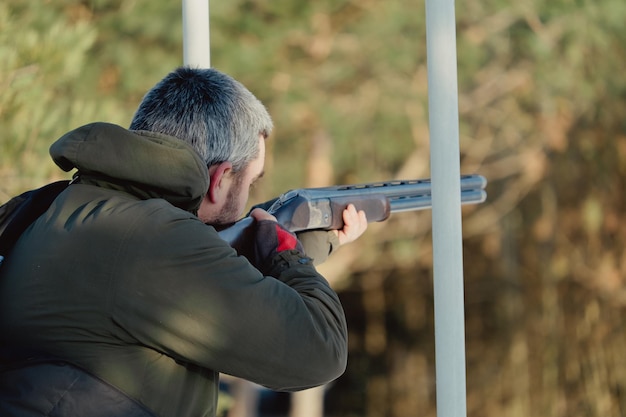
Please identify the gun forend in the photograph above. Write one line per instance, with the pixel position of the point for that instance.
(303, 210)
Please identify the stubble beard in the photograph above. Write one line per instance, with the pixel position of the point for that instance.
(230, 212)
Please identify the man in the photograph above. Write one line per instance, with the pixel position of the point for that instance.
(124, 291)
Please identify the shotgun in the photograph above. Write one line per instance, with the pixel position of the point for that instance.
(322, 208)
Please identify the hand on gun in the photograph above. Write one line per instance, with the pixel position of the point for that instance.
(266, 237)
(354, 223)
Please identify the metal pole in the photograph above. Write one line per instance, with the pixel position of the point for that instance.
(196, 38)
(446, 209)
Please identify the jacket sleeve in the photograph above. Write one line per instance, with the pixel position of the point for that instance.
(318, 244)
(184, 292)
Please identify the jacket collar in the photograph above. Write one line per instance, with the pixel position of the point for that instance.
(145, 164)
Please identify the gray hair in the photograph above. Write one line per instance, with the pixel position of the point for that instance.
(209, 110)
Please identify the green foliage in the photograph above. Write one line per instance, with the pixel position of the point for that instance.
(328, 67)
(37, 71)
(68, 63)
(542, 116)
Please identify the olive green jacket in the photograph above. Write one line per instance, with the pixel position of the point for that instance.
(120, 277)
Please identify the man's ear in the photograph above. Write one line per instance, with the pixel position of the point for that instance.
(219, 181)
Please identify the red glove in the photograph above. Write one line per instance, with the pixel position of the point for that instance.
(271, 238)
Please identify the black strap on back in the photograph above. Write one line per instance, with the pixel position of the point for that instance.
(21, 211)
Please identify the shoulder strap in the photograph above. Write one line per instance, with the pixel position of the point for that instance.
(19, 212)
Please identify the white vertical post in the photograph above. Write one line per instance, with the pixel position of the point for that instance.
(196, 38)
(446, 209)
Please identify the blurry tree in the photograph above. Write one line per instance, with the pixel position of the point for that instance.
(542, 116)
(66, 63)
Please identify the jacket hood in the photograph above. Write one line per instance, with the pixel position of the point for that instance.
(153, 165)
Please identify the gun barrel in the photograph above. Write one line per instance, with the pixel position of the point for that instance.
(395, 188)
(424, 201)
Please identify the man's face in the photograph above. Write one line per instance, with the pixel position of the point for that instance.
(231, 210)
(239, 190)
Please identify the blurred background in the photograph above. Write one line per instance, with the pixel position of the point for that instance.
(542, 104)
